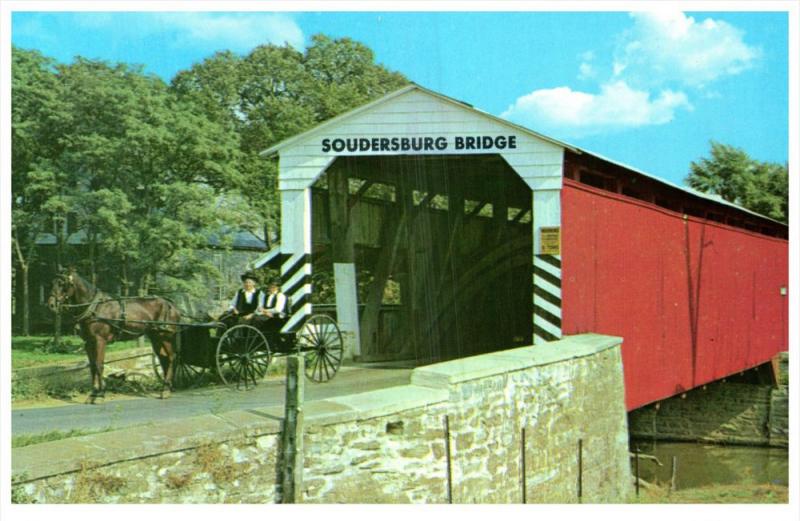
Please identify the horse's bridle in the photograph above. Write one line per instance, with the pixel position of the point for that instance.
(60, 300)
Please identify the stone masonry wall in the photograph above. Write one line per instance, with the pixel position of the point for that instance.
(778, 421)
(558, 405)
(398, 458)
(226, 458)
(725, 412)
(385, 446)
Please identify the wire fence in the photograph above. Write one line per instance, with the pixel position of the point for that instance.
(81, 367)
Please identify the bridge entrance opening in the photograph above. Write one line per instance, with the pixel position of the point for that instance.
(442, 252)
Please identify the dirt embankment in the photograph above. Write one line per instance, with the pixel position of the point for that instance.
(739, 493)
(129, 374)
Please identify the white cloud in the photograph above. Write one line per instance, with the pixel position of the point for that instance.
(238, 32)
(573, 113)
(665, 46)
(658, 60)
(586, 71)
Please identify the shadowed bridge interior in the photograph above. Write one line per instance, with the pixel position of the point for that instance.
(442, 248)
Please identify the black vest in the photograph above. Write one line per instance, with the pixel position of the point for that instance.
(245, 308)
(275, 302)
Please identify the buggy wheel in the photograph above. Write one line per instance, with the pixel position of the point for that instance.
(184, 375)
(243, 356)
(321, 342)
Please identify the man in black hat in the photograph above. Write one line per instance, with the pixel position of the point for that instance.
(246, 303)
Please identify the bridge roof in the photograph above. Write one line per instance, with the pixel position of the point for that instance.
(711, 199)
(380, 101)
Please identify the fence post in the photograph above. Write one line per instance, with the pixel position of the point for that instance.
(292, 436)
(580, 470)
(522, 467)
(674, 473)
(447, 456)
(637, 471)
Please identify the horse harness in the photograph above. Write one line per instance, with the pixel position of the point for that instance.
(90, 313)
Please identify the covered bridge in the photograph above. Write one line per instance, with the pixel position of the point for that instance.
(469, 234)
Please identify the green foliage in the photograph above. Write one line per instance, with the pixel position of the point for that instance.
(60, 346)
(37, 120)
(152, 170)
(19, 495)
(345, 75)
(27, 388)
(730, 173)
(325, 288)
(136, 165)
(273, 93)
(60, 385)
(37, 113)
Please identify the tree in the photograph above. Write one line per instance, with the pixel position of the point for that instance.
(275, 92)
(37, 118)
(762, 187)
(139, 168)
(148, 168)
(346, 76)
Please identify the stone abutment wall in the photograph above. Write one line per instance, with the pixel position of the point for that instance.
(721, 412)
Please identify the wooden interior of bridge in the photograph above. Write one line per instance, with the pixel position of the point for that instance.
(449, 236)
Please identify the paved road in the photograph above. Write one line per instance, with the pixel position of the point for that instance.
(122, 413)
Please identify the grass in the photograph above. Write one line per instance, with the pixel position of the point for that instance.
(32, 351)
(744, 493)
(32, 388)
(39, 351)
(23, 440)
(71, 384)
(68, 383)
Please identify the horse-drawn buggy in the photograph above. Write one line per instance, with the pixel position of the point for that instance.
(238, 354)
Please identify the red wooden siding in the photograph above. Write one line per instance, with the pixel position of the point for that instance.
(694, 300)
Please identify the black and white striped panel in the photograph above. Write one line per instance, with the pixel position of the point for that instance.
(296, 278)
(546, 298)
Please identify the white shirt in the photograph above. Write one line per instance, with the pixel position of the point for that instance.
(276, 303)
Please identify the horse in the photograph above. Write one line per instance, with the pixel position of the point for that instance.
(102, 319)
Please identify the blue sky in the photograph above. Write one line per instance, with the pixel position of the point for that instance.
(646, 89)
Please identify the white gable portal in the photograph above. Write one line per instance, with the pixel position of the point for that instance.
(412, 121)
(415, 121)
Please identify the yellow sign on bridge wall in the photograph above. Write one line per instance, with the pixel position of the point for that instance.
(550, 240)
